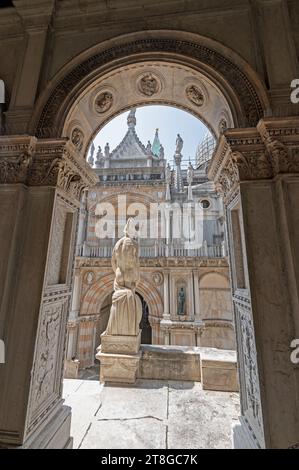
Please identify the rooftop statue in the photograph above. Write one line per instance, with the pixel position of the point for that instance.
(179, 144)
(190, 173)
(107, 150)
(126, 310)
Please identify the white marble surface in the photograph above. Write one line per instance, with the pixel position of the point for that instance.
(150, 415)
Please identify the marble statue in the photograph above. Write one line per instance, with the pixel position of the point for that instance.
(149, 148)
(181, 301)
(126, 310)
(107, 150)
(179, 144)
(190, 174)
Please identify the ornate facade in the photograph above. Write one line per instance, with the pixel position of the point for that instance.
(137, 178)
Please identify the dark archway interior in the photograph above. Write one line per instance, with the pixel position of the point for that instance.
(146, 329)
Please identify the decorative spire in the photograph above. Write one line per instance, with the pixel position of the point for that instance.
(131, 120)
(156, 147)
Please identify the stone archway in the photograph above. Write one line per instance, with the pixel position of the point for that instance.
(209, 63)
(43, 176)
(96, 294)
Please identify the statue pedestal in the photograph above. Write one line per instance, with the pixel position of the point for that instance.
(119, 357)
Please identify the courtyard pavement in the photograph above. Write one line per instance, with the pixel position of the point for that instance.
(152, 414)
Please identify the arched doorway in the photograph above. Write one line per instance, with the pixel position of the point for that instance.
(54, 164)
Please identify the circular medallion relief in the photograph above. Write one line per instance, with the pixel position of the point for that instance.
(195, 95)
(158, 278)
(77, 138)
(103, 102)
(89, 277)
(148, 84)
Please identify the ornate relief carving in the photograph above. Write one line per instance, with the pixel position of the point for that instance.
(229, 176)
(148, 84)
(195, 95)
(244, 89)
(103, 102)
(252, 390)
(45, 380)
(39, 163)
(252, 165)
(15, 169)
(284, 157)
(77, 138)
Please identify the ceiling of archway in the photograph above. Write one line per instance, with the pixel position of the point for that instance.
(145, 83)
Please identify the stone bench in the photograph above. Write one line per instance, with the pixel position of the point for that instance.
(215, 368)
(169, 363)
(219, 370)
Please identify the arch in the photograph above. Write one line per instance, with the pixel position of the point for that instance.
(208, 280)
(235, 78)
(97, 293)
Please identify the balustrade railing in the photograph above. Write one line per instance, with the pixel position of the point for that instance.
(158, 249)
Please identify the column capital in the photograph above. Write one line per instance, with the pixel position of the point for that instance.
(259, 153)
(44, 162)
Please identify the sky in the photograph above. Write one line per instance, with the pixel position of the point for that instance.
(170, 122)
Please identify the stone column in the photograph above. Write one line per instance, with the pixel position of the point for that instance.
(72, 326)
(258, 170)
(166, 313)
(40, 186)
(196, 295)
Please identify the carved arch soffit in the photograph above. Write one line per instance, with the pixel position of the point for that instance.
(252, 98)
